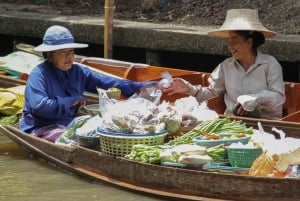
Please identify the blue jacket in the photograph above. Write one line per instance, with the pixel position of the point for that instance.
(50, 93)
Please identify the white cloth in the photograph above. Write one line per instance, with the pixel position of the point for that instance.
(263, 80)
(249, 103)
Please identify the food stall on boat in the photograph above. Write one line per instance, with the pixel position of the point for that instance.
(163, 167)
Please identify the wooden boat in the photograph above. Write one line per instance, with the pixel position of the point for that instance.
(172, 182)
(144, 72)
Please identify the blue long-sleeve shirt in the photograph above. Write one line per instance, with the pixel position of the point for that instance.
(50, 93)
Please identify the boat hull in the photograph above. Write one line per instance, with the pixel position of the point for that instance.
(159, 180)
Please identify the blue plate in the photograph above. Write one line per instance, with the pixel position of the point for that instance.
(221, 167)
(102, 131)
(211, 143)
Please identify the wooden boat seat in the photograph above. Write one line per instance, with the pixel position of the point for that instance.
(114, 67)
(217, 104)
(6, 81)
(205, 77)
(143, 72)
(290, 108)
(154, 73)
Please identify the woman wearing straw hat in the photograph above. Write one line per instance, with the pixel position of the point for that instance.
(54, 89)
(252, 82)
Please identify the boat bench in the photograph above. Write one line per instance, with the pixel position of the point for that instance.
(144, 72)
(290, 109)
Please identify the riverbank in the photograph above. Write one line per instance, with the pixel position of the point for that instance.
(155, 44)
(280, 16)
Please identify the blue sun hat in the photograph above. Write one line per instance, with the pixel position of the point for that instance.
(56, 38)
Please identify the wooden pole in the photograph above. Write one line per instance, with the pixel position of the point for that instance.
(108, 28)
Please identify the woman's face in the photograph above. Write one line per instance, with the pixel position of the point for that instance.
(239, 46)
(62, 59)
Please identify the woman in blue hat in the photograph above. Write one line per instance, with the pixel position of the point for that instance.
(54, 89)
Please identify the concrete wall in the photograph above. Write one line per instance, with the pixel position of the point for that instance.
(152, 37)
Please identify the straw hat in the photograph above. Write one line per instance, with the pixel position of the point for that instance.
(241, 19)
(56, 38)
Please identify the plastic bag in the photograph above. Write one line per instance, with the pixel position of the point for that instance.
(152, 94)
(126, 117)
(104, 101)
(68, 136)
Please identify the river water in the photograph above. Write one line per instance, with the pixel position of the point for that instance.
(25, 178)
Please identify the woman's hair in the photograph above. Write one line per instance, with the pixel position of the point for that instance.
(44, 55)
(257, 37)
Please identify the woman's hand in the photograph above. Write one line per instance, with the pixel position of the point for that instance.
(144, 89)
(239, 110)
(79, 104)
(177, 86)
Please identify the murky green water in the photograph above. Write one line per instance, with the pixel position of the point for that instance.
(24, 178)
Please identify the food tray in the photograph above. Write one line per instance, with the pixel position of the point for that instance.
(211, 143)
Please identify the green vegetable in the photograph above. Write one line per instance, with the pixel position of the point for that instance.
(9, 120)
(173, 124)
(145, 153)
(70, 132)
(217, 153)
(220, 125)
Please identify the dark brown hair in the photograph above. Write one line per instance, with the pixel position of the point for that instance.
(257, 37)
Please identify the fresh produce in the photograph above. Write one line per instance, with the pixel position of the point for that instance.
(9, 120)
(194, 159)
(220, 125)
(169, 155)
(188, 154)
(69, 133)
(223, 125)
(113, 93)
(217, 153)
(186, 138)
(214, 136)
(173, 124)
(145, 153)
(187, 149)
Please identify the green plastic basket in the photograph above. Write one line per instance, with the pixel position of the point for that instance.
(242, 157)
(116, 144)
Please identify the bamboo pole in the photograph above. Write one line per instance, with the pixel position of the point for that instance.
(108, 28)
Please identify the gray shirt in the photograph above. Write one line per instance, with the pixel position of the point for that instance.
(263, 80)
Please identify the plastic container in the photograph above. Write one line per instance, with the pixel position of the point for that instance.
(243, 157)
(211, 143)
(120, 144)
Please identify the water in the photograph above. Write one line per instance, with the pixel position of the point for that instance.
(25, 178)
